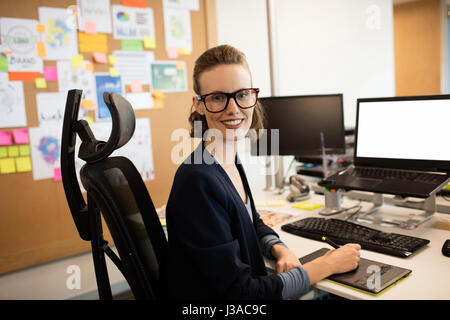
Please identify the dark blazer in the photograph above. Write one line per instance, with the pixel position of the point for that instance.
(214, 246)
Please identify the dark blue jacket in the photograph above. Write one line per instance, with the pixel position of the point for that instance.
(214, 246)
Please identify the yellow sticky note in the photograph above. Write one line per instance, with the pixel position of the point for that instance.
(13, 151)
(149, 42)
(307, 205)
(89, 66)
(158, 104)
(112, 59)
(276, 203)
(180, 65)
(157, 94)
(89, 120)
(77, 60)
(24, 150)
(23, 164)
(41, 83)
(113, 72)
(3, 152)
(7, 165)
(87, 104)
(42, 52)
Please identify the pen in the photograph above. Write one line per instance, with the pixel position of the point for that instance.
(331, 243)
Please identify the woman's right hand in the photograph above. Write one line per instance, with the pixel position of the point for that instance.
(343, 259)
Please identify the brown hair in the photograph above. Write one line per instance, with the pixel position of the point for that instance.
(223, 54)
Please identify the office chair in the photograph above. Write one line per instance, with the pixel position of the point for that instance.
(116, 191)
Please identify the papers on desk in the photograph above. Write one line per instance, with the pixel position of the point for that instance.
(271, 218)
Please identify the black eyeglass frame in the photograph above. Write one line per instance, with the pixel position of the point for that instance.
(229, 95)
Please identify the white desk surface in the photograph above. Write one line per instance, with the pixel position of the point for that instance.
(430, 277)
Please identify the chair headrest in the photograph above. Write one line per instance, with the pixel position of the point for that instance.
(123, 125)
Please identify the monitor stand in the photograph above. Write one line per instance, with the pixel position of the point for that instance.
(413, 220)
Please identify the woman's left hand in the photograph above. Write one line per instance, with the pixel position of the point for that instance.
(286, 259)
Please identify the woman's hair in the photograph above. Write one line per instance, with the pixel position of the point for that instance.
(213, 57)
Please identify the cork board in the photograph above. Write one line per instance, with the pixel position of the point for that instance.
(35, 222)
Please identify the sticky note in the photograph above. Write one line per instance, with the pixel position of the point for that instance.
(7, 165)
(28, 76)
(87, 104)
(113, 72)
(149, 42)
(180, 65)
(3, 152)
(276, 203)
(135, 86)
(112, 59)
(41, 83)
(40, 28)
(90, 27)
(13, 151)
(100, 57)
(50, 73)
(23, 164)
(77, 60)
(21, 136)
(184, 51)
(92, 42)
(172, 53)
(132, 45)
(89, 120)
(57, 174)
(307, 206)
(157, 94)
(89, 66)
(24, 150)
(5, 138)
(134, 3)
(3, 63)
(41, 50)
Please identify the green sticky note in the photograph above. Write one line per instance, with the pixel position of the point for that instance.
(24, 150)
(447, 187)
(132, 45)
(3, 63)
(13, 151)
(3, 152)
(307, 206)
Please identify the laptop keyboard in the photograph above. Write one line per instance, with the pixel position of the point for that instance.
(386, 174)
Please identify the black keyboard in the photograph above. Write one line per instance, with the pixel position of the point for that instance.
(343, 232)
(386, 174)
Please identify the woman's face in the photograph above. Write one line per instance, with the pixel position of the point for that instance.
(233, 122)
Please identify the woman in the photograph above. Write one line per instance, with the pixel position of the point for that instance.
(216, 238)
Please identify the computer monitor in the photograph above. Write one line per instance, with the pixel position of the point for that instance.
(300, 121)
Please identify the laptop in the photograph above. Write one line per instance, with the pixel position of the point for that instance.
(364, 277)
(401, 147)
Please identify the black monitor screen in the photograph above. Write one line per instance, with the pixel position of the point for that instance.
(300, 121)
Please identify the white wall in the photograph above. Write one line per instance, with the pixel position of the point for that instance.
(323, 46)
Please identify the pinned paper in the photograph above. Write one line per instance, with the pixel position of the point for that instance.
(77, 60)
(112, 59)
(135, 86)
(13, 151)
(5, 138)
(3, 152)
(132, 45)
(307, 206)
(24, 150)
(40, 83)
(113, 72)
(90, 27)
(50, 73)
(21, 136)
(3, 63)
(23, 164)
(42, 51)
(276, 203)
(100, 57)
(7, 165)
(149, 42)
(57, 174)
(40, 28)
(172, 53)
(87, 104)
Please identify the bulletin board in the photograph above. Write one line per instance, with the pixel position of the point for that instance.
(36, 225)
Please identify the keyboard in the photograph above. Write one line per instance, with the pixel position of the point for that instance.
(386, 174)
(342, 232)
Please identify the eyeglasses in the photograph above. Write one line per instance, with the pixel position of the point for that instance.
(218, 101)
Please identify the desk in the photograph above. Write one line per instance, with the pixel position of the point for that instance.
(430, 277)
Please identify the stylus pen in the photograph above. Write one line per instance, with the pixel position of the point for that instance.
(331, 243)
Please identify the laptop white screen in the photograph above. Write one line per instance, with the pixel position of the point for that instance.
(414, 129)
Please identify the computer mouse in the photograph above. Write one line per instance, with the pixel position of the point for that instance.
(446, 248)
